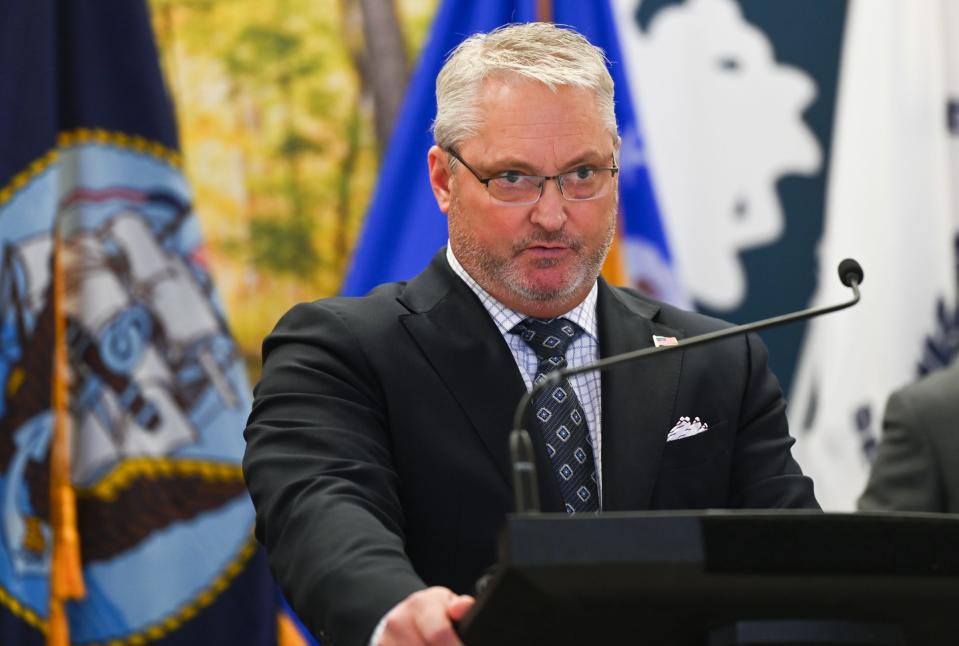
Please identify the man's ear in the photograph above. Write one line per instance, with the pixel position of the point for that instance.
(440, 177)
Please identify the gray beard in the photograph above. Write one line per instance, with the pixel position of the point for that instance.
(490, 271)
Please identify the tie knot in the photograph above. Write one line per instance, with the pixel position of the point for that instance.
(548, 338)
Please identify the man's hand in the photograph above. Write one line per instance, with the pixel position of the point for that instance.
(426, 618)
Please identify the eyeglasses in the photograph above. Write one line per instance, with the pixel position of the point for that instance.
(514, 189)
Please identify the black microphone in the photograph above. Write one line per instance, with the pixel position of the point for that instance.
(522, 460)
(850, 272)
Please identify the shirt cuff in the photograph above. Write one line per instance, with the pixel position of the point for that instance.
(380, 628)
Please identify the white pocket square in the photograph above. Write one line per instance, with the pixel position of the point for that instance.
(686, 428)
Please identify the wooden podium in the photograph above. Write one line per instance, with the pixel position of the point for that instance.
(722, 579)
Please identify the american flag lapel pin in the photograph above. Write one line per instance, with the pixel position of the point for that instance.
(660, 341)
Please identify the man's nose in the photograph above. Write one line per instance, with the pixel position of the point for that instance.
(550, 211)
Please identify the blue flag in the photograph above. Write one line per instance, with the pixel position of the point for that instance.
(649, 263)
(157, 396)
(404, 227)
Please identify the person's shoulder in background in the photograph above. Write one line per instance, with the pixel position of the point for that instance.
(917, 464)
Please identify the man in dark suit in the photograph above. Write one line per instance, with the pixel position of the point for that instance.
(377, 445)
(917, 465)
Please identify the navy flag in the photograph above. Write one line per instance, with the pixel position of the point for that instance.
(93, 201)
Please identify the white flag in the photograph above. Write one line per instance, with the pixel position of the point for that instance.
(723, 123)
(891, 205)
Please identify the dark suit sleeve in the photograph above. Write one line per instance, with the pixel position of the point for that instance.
(904, 476)
(319, 470)
(764, 474)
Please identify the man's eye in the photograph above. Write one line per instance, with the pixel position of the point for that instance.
(584, 172)
(511, 177)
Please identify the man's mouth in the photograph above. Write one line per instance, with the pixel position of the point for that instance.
(548, 250)
(551, 244)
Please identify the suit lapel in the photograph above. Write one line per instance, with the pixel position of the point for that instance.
(461, 342)
(638, 399)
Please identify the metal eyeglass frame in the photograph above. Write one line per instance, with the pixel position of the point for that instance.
(542, 186)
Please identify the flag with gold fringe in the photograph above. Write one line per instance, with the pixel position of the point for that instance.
(123, 514)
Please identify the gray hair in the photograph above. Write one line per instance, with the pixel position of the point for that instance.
(538, 51)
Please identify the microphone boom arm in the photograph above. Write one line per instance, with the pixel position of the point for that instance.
(520, 443)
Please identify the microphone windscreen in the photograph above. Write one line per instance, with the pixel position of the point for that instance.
(850, 270)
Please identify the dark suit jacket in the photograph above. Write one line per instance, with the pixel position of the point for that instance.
(917, 465)
(377, 446)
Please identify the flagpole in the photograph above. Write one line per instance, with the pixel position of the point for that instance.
(66, 578)
(544, 10)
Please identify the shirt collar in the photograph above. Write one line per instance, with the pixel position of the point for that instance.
(583, 315)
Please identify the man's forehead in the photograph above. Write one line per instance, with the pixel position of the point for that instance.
(522, 120)
(495, 92)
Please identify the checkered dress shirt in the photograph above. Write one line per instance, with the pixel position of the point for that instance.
(585, 349)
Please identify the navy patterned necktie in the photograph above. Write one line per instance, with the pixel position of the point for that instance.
(559, 415)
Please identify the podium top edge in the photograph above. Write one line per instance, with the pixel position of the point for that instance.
(758, 514)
